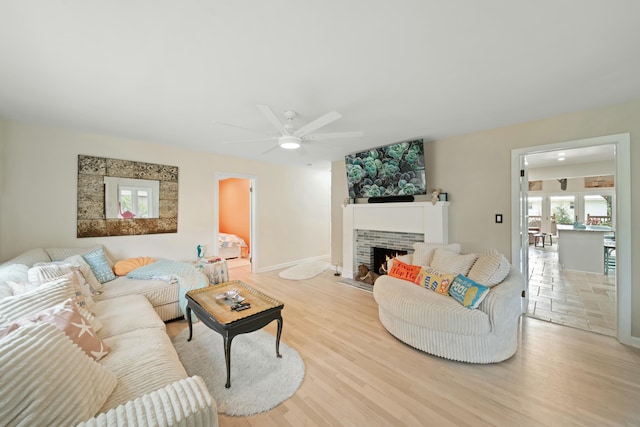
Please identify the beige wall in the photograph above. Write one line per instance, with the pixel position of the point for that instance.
(475, 170)
(39, 168)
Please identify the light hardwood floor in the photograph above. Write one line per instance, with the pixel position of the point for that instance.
(357, 374)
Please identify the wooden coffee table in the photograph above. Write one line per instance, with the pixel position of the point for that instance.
(217, 314)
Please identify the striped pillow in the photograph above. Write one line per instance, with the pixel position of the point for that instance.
(490, 269)
(423, 252)
(27, 304)
(451, 262)
(64, 386)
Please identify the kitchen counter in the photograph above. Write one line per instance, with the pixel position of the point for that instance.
(582, 249)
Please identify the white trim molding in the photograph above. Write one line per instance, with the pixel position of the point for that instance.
(624, 279)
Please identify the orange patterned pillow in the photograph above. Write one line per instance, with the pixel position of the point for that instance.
(127, 265)
(404, 271)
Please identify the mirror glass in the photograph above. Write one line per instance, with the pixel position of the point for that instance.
(131, 198)
(122, 197)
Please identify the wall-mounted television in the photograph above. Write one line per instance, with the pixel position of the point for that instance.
(393, 170)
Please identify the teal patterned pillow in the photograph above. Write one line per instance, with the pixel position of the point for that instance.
(467, 292)
(99, 265)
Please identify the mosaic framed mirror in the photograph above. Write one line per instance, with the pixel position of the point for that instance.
(122, 197)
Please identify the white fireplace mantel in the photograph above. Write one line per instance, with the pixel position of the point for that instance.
(417, 217)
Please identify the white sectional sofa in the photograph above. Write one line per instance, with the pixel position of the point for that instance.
(439, 324)
(139, 382)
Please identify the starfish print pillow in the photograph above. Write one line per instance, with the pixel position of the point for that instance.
(66, 317)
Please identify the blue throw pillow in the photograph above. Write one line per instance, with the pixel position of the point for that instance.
(99, 265)
(467, 292)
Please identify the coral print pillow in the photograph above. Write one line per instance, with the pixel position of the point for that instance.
(404, 271)
(434, 280)
(467, 292)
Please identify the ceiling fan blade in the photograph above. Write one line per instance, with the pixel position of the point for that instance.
(270, 149)
(334, 135)
(249, 140)
(273, 119)
(238, 127)
(318, 123)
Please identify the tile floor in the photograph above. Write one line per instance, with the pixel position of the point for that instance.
(572, 298)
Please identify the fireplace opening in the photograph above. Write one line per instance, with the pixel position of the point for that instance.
(381, 256)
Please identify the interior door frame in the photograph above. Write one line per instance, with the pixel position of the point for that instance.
(253, 228)
(624, 278)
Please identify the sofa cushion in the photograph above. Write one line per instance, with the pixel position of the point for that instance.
(434, 280)
(124, 314)
(30, 257)
(467, 292)
(144, 360)
(47, 379)
(451, 262)
(59, 254)
(490, 268)
(423, 252)
(428, 309)
(404, 271)
(158, 292)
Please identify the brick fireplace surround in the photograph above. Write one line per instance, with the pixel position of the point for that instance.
(365, 225)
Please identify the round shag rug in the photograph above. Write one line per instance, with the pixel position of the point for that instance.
(304, 270)
(259, 380)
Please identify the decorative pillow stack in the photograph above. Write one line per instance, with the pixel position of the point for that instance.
(39, 321)
(42, 273)
(62, 390)
(465, 277)
(49, 295)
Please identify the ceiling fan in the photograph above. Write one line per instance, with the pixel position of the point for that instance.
(291, 138)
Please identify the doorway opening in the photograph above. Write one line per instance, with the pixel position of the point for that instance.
(540, 219)
(235, 225)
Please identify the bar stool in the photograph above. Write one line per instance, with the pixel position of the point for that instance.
(609, 255)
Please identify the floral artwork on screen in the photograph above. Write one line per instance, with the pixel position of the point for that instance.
(393, 170)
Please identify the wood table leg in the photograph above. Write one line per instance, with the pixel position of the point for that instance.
(227, 358)
(278, 337)
(189, 322)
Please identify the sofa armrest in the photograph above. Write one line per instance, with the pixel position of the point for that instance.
(183, 403)
(503, 303)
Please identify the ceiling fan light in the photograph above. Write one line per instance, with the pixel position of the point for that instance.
(289, 142)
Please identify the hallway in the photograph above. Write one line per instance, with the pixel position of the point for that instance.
(573, 298)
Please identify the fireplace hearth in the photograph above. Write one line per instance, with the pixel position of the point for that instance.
(396, 221)
(381, 256)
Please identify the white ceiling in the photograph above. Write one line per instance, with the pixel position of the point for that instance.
(165, 71)
(561, 158)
